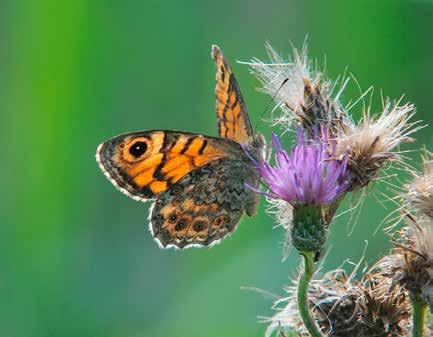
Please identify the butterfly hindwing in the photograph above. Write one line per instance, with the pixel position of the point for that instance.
(233, 120)
(144, 164)
(204, 206)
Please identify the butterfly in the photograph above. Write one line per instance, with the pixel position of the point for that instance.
(198, 184)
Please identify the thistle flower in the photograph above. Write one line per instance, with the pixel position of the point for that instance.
(308, 98)
(309, 176)
(310, 179)
(345, 307)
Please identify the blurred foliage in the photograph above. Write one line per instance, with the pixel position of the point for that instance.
(76, 258)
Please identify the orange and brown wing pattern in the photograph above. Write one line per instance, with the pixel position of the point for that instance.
(233, 120)
(144, 164)
(204, 207)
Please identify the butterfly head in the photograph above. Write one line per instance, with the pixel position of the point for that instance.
(257, 147)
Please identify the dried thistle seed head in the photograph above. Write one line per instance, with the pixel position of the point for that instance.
(302, 93)
(318, 109)
(369, 144)
(328, 288)
(419, 192)
(387, 305)
(411, 262)
(343, 307)
(371, 307)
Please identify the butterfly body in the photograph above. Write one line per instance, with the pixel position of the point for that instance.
(199, 183)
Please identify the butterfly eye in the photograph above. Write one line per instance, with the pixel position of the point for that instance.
(138, 148)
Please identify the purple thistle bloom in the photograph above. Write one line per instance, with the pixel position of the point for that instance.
(309, 176)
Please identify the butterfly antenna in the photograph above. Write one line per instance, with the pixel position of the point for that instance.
(268, 106)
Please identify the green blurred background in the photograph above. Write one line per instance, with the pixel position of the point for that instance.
(76, 258)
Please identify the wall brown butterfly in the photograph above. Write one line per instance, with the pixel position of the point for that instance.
(197, 183)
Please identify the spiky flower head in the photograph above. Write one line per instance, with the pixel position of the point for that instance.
(310, 175)
(410, 263)
(419, 192)
(369, 144)
(343, 307)
(310, 179)
(307, 97)
(301, 91)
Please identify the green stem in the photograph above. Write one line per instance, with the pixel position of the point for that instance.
(419, 312)
(303, 307)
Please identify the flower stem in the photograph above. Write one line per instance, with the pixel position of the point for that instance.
(419, 312)
(303, 307)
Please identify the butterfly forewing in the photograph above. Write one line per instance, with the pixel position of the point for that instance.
(233, 120)
(145, 164)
